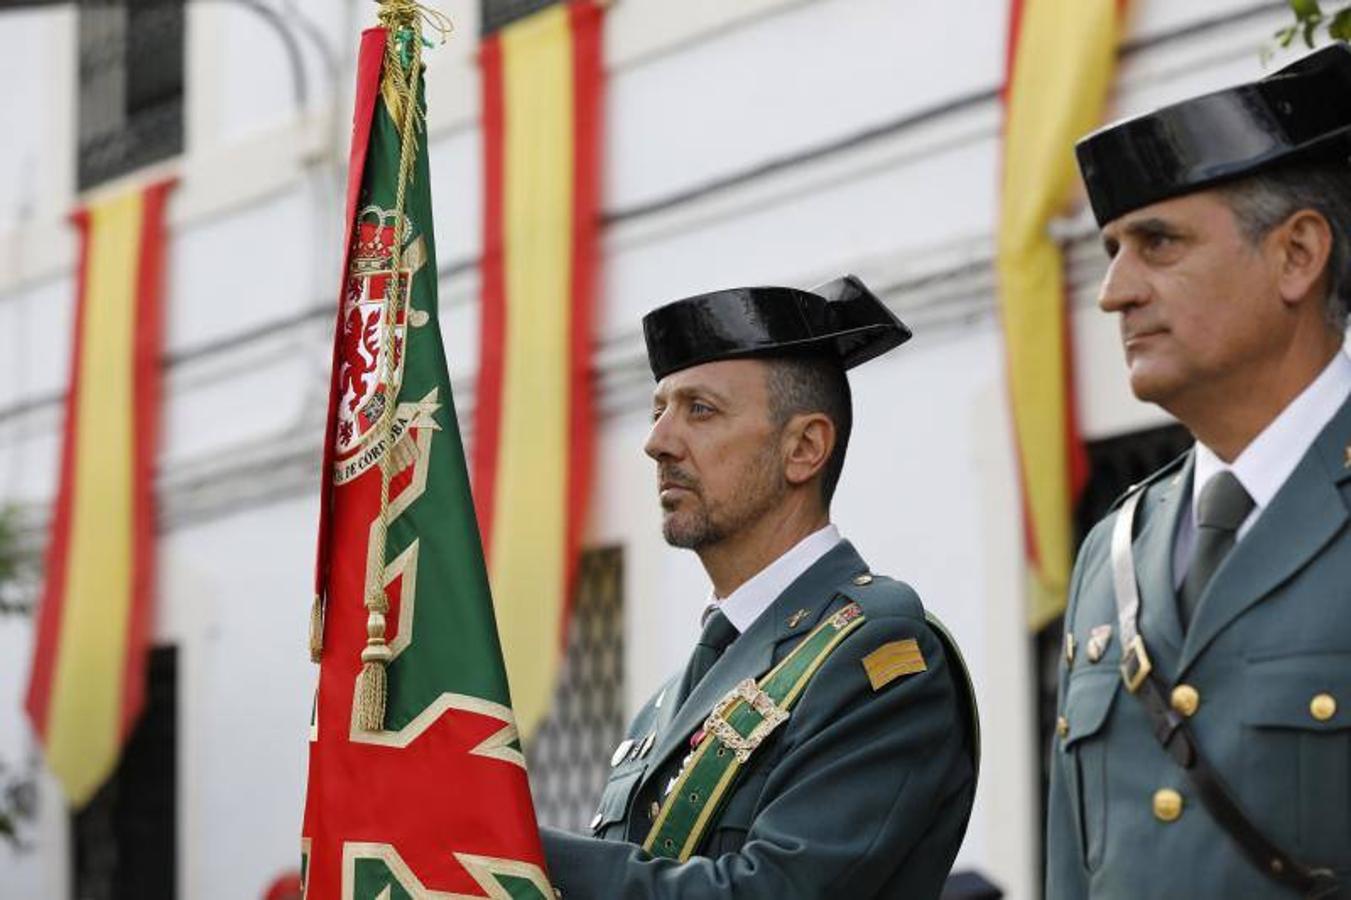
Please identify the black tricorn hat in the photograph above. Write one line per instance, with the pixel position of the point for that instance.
(841, 319)
(1302, 111)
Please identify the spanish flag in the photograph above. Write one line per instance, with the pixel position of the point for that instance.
(533, 417)
(87, 685)
(1061, 56)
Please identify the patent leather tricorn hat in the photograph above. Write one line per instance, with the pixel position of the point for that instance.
(1300, 112)
(841, 320)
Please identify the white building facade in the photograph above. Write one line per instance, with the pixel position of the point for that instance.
(762, 141)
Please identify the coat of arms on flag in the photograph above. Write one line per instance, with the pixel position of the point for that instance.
(363, 356)
(417, 783)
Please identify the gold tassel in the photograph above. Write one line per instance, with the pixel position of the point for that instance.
(317, 629)
(372, 684)
(370, 699)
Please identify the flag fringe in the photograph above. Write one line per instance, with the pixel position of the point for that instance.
(317, 628)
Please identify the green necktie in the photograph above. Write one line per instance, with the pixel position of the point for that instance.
(717, 634)
(1220, 510)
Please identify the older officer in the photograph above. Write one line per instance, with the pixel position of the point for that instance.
(821, 740)
(1204, 744)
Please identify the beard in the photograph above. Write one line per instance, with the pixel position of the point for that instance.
(704, 523)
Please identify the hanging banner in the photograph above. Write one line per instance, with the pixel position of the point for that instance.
(534, 418)
(1060, 63)
(88, 681)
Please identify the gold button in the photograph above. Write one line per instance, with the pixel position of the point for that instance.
(1167, 805)
(1062, 726)
(861, 580)
(653, 810)
(1185, 699)
(1323, 707)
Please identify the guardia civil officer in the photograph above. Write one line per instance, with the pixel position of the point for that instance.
(820, 742)
(1204, 744)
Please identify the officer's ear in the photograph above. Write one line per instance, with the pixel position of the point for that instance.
(1303, 243)
(807, 441)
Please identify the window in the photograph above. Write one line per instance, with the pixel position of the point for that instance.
(130, 86)
(570, 755)
(123, 843)
(495, 14)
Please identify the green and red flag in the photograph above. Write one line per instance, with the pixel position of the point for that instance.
(533, 417)
(87, 686)
(417, 783)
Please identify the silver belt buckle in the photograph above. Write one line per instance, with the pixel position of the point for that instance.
(772, 716)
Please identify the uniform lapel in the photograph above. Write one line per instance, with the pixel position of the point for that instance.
(1304, 515)
(1159, 622)
(661, 722)
(752, 653)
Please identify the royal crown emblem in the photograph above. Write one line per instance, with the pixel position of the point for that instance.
(367, 379)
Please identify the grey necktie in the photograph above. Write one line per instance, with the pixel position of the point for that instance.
(717, 634)
(1220, 510)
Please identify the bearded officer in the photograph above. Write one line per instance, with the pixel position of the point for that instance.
(821, 740)
(1204, 744)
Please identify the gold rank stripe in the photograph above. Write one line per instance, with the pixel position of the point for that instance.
(890, 661)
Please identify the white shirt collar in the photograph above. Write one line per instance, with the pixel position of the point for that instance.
(745, 604)
(1266, 463)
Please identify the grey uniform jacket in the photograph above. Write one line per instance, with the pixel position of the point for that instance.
(1272, 633)
(860, 794)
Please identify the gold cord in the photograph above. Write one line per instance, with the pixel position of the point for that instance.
(396, 14)
(399, 82)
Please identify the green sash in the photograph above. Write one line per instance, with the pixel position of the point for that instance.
(732, 732)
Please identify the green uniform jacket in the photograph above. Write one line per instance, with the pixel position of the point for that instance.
(860, 794)
(1272, 633)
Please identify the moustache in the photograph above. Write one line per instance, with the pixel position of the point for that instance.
(677, 478)
(1132, 328)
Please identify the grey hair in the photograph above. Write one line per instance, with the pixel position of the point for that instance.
(1263, 201)
(810, 384)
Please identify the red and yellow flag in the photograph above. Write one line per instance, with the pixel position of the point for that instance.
(533, 420)
(1061, 57)
(87, 685)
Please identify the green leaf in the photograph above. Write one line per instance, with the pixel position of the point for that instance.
(1340, 28)
(1310, 29)
(1306, 9)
